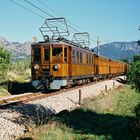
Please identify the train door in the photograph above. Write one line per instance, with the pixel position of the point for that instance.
(46, 55)
(96, 67)
(70, 61)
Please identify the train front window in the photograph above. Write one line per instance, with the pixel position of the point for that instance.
(37, 55)
(57, 51)
(65, 54)
(46, 54)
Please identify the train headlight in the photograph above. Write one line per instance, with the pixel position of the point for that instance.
(36, 67)
(56, 67)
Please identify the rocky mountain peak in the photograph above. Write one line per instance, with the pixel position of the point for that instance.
(119, 50)
(17, 49)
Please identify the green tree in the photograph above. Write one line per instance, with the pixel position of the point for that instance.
(133, 75)
(125, 60)
(5, 61)
(136, 58)
(138, 42)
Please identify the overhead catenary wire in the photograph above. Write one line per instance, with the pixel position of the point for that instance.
(38, 8)
(47, 13)
(27, 9)
(45, 5)
(20, 5)
(42, 3)
(35, 6)
(43, 17)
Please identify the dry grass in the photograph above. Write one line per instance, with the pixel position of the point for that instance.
(4, 92)
(103, 102)
(20, 76)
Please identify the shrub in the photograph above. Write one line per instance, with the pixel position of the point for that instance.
(20, 65)
(133, 75)
(5, 62)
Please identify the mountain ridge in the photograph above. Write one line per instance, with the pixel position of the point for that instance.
(119, 50)
(114, 50)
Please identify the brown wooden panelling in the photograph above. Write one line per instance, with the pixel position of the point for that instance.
(99, 65)
(62, 72)
(81, 69)
(103, 65)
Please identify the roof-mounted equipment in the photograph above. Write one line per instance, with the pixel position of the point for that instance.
(82, 39)
(54, 28)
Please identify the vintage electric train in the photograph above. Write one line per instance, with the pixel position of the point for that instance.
(61, 63)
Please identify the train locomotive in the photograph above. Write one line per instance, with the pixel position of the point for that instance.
(59, 63)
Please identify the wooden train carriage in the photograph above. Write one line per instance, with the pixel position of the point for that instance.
(103, 66)
(81, 63)
(124, 68)
(113, 67)
(120, 66)
(50, 65)
(55, 64)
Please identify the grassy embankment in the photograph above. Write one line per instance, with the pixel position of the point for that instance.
(107, 117)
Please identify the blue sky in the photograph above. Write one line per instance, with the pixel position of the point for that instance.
(111, 20)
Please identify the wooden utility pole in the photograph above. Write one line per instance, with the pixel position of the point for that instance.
(98, 42)
(80, 96)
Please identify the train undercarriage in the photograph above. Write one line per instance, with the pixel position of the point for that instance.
(51, 83)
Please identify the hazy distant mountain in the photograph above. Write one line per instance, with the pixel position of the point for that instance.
(18, 50)
(114, 50)
(119, 50)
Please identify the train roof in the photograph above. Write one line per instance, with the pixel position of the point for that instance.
(68, 43)
(72, 44)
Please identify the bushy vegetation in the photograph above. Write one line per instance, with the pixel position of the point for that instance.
(20, 66)
(12, 71)
(133, 75)
(5, 63)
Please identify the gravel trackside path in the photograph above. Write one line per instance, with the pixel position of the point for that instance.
(15, 121)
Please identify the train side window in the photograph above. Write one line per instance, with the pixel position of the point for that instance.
(37, 54)
(77, 57)
(80, 57)
(65, 54)
(73, 56)
(92, 59)
(87, 58)
(46, 54)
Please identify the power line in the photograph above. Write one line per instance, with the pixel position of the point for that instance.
(38, 8)
(45, 5)
(72, 28)
(47, 13)
(27, 9)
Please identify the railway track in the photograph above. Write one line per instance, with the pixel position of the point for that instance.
(23, 98)
(27, 97)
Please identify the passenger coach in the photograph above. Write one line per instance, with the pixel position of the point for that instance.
(55, 65)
